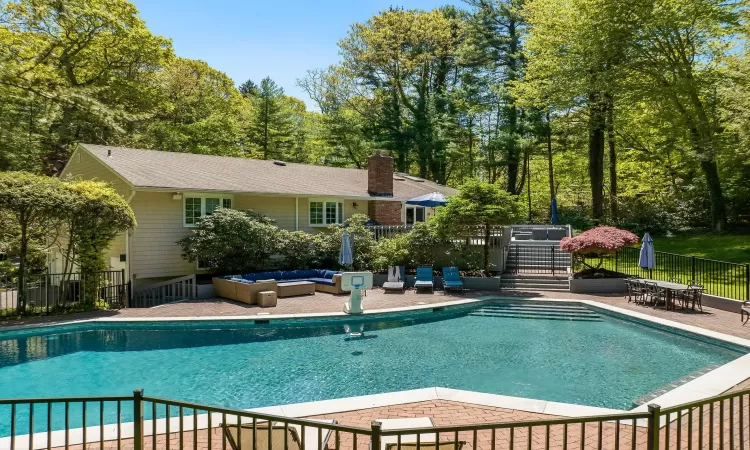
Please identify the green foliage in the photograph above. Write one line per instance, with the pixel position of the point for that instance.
(232, 241)
(83, 216)
(477, 203)
(197, 110)
(362, 239)
(392, 251)
(95, 215)
(299, 250)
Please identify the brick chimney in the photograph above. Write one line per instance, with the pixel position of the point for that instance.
(380, 176)
(380, 184)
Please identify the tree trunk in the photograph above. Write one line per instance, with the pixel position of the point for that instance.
(718, 208)
(597, 126)
(550, 167)
(613, 207)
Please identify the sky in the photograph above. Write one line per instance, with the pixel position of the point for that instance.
(252, 39)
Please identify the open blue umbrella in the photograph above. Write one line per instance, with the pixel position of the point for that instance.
(345, 254)
(430, 200)
(647, 258)
(553, 218)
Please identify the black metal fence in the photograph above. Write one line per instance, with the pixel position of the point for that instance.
(52, 293)
(139, 422)
(721, 278)
(537, 259)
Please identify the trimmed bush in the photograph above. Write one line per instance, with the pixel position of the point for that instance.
(232, 241)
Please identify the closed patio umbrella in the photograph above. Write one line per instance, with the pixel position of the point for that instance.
(553, 217)
(647, 259)
(345, 254)
(430, 200)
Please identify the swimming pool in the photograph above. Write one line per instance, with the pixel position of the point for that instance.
(596, 359)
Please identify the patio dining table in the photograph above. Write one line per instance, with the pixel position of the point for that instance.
(671, 288)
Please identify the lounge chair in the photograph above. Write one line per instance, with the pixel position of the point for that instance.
(292, 435)
(396, 277)
(452, 279)
(409, 441)
(424, 279)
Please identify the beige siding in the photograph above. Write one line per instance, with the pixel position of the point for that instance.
(280, 209)
(153, 244)
(88, 167)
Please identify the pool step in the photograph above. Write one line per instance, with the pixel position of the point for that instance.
(545, 311)
(644, 399)
(535, 282)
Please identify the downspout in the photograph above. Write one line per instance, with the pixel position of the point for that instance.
(296, 213)
(127, 244)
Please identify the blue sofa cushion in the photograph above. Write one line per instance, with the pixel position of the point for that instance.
(325, 281)
(328, 274)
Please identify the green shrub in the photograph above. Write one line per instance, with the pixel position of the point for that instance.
(392, 251)
(363, 243)
(232, 241)
(299, 250)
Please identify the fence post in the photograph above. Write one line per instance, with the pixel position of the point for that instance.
(375, 436)
(653, 427)
(616, 254)
(692, 268)
(747, 281)
(138, 419)
(552, 248)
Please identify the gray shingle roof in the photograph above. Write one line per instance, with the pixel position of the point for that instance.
(152, 169)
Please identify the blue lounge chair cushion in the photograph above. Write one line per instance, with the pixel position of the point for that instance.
(424, 274)
(450, 283)
(325, 281)
(328, 274)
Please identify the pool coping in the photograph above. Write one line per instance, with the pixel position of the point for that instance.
(713, 383)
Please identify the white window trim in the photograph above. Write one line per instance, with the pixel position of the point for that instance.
(203, 198)
(415, 207)
(325, 223)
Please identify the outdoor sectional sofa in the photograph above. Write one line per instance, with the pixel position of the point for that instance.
(325, 281)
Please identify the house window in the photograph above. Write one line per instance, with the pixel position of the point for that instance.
(192, 210)
(197, 206)
(415, 214)
(211, 205)
(325, 212)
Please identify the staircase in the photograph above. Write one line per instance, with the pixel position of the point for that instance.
(535, 282)
(534, 262)
(546, 311)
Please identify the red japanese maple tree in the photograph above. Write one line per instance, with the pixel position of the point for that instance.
(599, 241)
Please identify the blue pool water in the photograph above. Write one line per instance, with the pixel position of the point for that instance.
(606, 363)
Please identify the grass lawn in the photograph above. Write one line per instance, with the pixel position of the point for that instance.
(720, 247)
(726, 280)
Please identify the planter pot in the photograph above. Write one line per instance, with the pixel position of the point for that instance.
(597, 285)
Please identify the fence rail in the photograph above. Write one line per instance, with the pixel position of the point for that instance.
(140, 422)
(165, 292)
(52, 293)
(720, 278)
